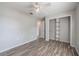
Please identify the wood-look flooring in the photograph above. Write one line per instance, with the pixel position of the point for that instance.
(42, 48)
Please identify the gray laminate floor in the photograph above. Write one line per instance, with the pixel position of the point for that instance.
(42, 48)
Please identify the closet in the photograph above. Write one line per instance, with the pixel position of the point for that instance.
(59, 29)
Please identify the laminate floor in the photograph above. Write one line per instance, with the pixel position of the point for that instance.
(41, 47)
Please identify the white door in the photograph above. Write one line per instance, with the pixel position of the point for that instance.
(65, 29)
(41, 30)
(52, 29)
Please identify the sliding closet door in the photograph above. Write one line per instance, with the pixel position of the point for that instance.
(52, 29)
(65, 29)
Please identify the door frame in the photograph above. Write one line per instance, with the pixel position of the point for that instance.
(47, 26)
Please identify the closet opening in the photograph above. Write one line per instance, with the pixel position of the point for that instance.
(59, 29)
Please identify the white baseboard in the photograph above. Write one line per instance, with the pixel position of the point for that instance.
(17, 45)
(72, 45)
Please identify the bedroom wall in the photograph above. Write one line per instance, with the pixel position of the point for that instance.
(77, 29)
(16, 28)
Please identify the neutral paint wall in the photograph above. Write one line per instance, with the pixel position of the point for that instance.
(77, 29)
(15, 28)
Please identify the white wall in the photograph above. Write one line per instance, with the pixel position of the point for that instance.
(77, 29)
(15, 28)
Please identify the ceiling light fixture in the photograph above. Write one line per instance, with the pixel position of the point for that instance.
(36, 7)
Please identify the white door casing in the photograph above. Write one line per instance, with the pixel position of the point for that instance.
(47, 27)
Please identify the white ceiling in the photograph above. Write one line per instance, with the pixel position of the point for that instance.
(46, 8)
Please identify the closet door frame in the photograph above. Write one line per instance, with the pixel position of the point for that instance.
(47, 26)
